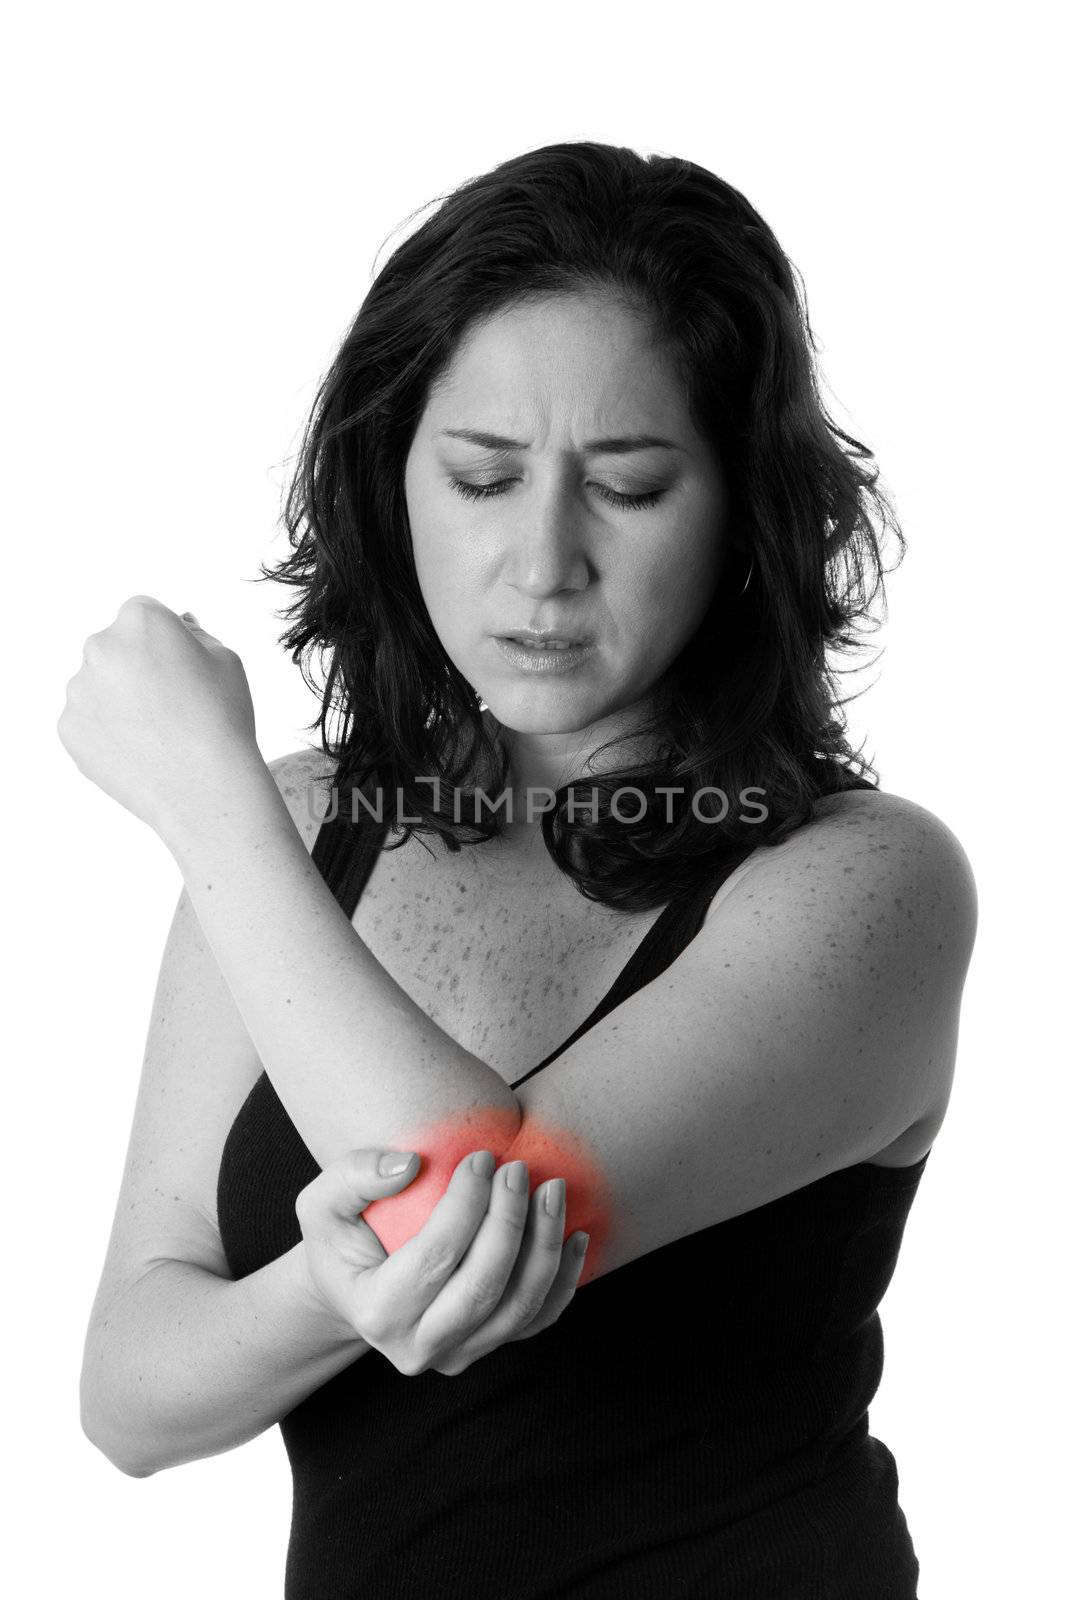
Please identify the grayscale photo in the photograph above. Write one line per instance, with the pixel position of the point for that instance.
(544, 944)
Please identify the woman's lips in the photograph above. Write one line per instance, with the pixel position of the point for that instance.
(542, 659)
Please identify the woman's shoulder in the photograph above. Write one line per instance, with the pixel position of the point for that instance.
(859, 827)
(866, 845)
(876, 819)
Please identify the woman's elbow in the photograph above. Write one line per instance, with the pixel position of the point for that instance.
(103, 1438)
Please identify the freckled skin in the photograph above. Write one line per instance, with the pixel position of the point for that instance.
(549, 1152)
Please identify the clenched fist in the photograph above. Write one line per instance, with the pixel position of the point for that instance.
(159, 714)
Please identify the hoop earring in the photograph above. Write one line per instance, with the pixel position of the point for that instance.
(748, 580)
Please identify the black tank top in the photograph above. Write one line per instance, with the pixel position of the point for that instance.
(695, 1424)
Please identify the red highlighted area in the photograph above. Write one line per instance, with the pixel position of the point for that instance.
(549, 1152)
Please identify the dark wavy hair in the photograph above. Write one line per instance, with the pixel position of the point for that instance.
(751, 702)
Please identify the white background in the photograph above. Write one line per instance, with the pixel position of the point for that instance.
(195, 197)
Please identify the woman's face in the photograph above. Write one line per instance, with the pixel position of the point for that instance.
(567, 386)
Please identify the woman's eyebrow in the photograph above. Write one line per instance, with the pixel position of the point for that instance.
(597, 447)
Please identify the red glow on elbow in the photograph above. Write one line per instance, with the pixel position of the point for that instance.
(549, 1152)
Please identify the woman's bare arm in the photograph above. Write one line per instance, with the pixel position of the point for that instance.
(180, 1361)
(183, 1364)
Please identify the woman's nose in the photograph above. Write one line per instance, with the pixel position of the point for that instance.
(548, 547)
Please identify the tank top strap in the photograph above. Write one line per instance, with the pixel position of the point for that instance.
(676, 926)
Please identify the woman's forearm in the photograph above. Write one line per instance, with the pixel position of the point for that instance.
(354, 1061)
(185, 1364)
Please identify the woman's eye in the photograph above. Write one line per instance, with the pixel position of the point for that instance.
(485, 491)
(478, 491)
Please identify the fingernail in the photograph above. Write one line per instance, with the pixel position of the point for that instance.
(581, 1243)
(389, 1165)
(483, 1164)
(554, 1197)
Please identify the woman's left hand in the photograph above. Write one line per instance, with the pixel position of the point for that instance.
(159, 714)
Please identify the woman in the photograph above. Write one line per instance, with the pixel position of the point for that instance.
(579, 536)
